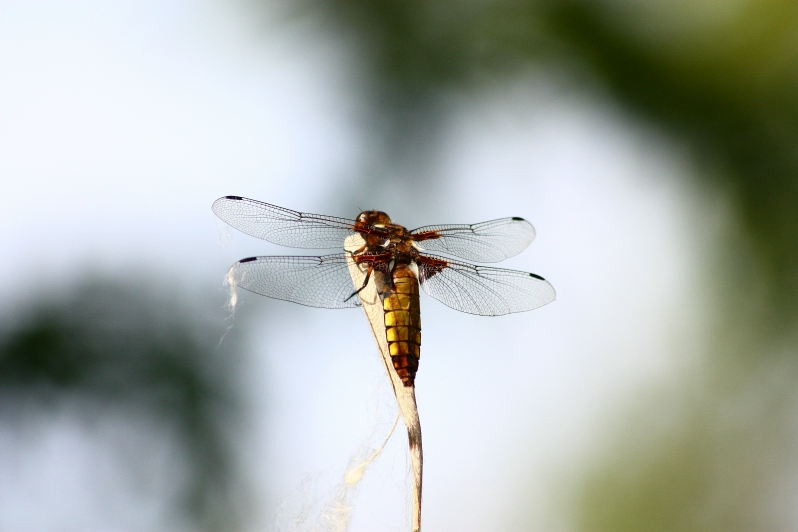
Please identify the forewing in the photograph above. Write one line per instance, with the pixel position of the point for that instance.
(491, 241)
(312, 281)
(283, 226)
(481, 289)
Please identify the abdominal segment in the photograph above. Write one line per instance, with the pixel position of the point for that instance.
(403, 323)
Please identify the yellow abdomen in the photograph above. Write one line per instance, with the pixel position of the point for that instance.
(403, 323)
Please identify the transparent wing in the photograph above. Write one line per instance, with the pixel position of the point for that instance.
(283, 226)
(311, 281)
(491, 241)
(481, 289)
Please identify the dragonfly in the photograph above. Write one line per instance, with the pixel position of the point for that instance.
(397, 259)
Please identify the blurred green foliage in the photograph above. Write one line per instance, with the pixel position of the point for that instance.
(721, 77)
(123, 347)
(721, 80)
(729, 90)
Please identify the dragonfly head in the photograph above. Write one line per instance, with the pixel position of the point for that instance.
(373, 218)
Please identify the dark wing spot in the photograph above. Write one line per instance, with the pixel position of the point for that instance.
(517, 219)
(235, 198)
(248, 259)
(537, 276)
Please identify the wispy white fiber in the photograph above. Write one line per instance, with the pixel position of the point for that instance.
(334, 515)
(232, 300)
(355, 472)
(230, 283)
(225, 237)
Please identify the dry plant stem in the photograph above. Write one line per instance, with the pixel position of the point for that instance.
(405, 396)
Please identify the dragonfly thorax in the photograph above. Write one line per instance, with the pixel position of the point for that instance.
(382, 236)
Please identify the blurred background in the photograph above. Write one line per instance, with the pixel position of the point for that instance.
(653, 145)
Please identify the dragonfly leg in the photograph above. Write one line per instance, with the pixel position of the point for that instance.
(365, 283)
(358, 251)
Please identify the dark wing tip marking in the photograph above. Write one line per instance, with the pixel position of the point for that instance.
(234, 197)
(518, 219)
(536, 276)
(248, 259)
